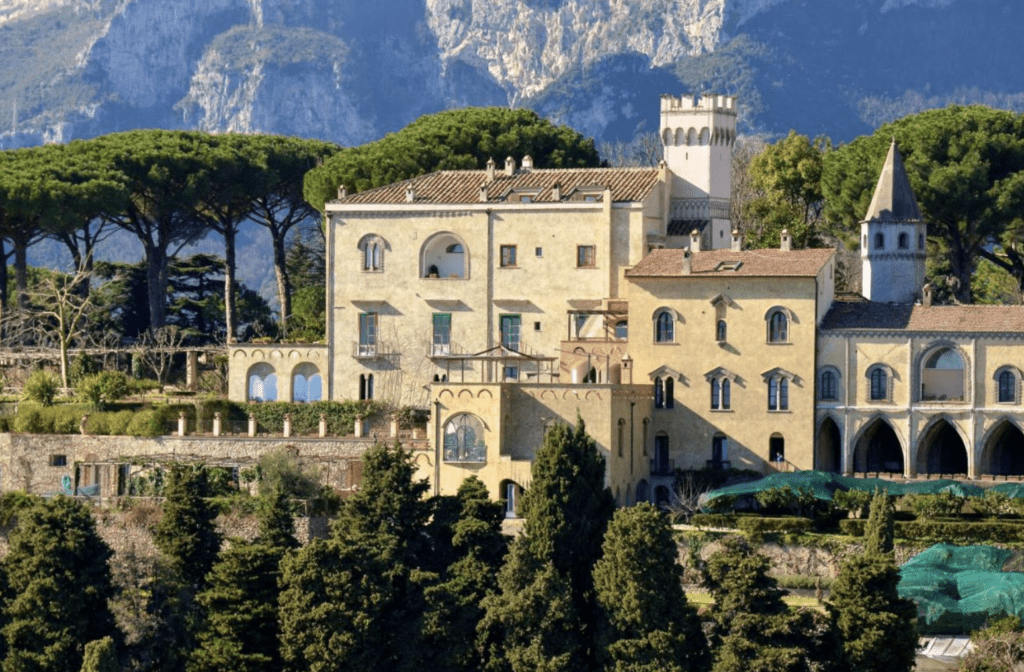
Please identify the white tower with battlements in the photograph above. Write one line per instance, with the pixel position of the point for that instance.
(698, 136)
(893, 233)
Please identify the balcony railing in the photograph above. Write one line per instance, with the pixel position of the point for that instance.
(440, 349)
(718, 464)
(367, 350)
(663, 467)
(474, 454)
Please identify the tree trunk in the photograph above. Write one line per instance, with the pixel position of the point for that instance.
(230, 311)
(156, 285)
(284, 288)
(21, 273)
(3, 279)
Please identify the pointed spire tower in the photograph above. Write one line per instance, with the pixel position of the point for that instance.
(892, 244)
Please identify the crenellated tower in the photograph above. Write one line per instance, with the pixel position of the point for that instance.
(698, 136)
(893, 235)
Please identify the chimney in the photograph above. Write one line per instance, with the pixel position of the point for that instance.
(510, 166)
(342, 192)
(926, 295)
(527, 162)
(695, 241)
(687, 262)
(410, 194)
(737, 240)
(490, 169)
(483, 193)
(786, 241)
(556, 192)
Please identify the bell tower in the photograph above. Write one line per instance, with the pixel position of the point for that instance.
(698, 137)
(892, 238)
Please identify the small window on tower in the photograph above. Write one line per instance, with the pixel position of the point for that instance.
(879, 241)
(904, 241)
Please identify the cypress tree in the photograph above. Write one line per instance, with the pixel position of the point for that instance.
(877, 628)
(276, 522)
(58, 584)
(646, 622)
(186, 534)
(100, 656)
(753, 627)
(454, 605)
(543, 616)
(355, 601)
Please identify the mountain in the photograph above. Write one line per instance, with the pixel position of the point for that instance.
(351, 71)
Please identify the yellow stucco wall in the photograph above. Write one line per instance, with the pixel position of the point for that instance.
(285, 359)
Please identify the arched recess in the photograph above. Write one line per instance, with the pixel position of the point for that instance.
(662, 496)
(642, 491)
(828, 449)
(510, 493)
(878, 449)
(444, 255)
(1003, 454)
(691, 137)
(464, 439)
(666, 137)
(941, 450)
(262, 383)
(943, 373)
(307, 384)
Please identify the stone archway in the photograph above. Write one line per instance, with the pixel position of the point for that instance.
(878, 449)
(828, 453)
(941, 450)
(1003, 454)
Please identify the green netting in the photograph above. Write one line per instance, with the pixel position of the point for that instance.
(958, 588)
(825, 484)
(1014, 490)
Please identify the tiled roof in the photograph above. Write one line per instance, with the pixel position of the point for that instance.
(463, 186)
(893, 200)
(773, 262)
(862, 315)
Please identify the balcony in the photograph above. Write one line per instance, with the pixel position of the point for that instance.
(663, 467)
(440, 349)
(368, 350)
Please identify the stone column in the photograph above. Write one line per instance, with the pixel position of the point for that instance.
(192, 370)
(216, 424)
(323, 425)
(252, 425)
(359, 427)
(287, 425)
(181, 423)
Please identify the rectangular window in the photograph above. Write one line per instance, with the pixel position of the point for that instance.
(773, 394)
(536, 326)
(58, 460)
(508, 256)
(585, 256)
(539, 251)
(442, 341)
(511, 330)
(367, 334)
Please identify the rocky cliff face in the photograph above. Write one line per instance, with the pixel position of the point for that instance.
(349, 70)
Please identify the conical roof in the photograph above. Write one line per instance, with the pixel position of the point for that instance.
(894, 200)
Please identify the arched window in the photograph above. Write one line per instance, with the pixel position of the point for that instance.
(659, 393)
(669, 392)
(720, 331)
(621, 330)
(778, 393)
(778, 327)
(365, 386)
(372, 248)
(879, 241)
(464, 439)
(262, 383)
(920, 241)
(719, 452)
(903, 241)
(664, 327)
(1007, 386)
(777, 450)
(879, 384)
(829, 388)
(942, 376)
(720, 392)
(444, 256)
(307, 385)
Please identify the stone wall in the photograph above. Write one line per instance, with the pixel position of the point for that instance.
(38, 463)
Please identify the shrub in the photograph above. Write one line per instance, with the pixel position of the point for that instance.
(854, 501)
(42, 387)
(99, 424)
(117, 423)
(67, 419)
(282, 471)
(5, 424)
(853, 527)
(931, 506)
(83, 365)
(993, 504)
(33, 420)
(146, 423)
(100, 389)
(755, 527)
(727, 520)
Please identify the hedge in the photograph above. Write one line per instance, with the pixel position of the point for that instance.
(976, 531)
(755, 527)
(714, 520)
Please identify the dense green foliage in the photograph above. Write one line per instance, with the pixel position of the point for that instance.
(100, 389)
(42, 387)
(877, 628)
(450, 140)
(186, 534)
(100, 656)
(645, 620)
(57, 583)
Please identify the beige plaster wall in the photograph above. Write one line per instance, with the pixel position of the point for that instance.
(284, 357)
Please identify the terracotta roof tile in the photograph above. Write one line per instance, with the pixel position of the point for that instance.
(791, 263)
(861, 315)
(463, 186)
